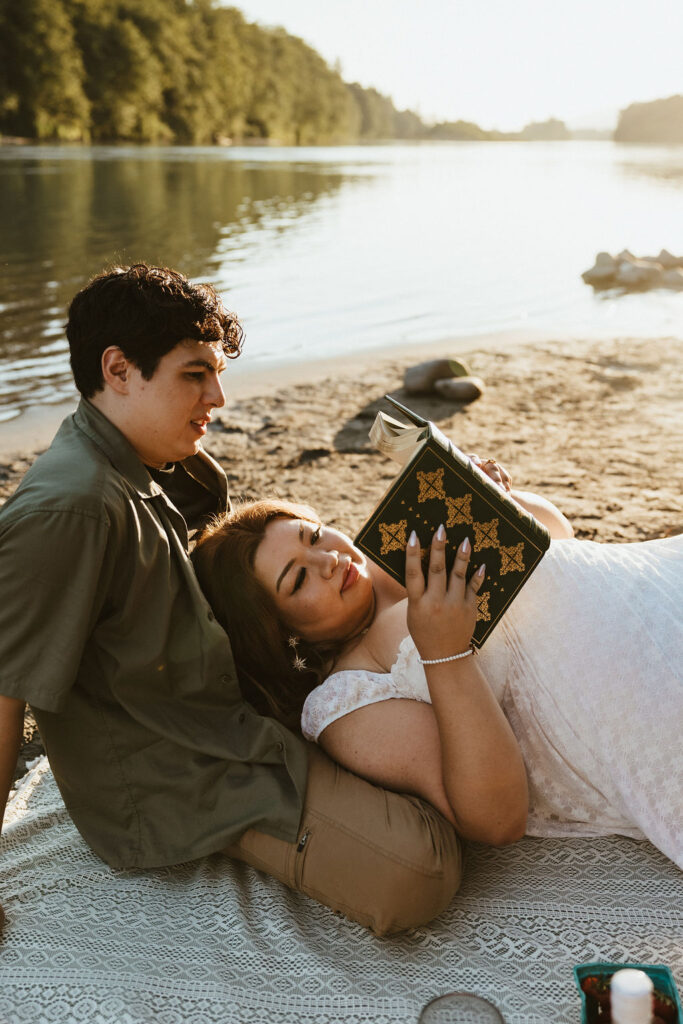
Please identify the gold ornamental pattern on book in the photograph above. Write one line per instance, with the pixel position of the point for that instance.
(435, 492)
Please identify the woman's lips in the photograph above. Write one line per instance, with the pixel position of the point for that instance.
(352, 575)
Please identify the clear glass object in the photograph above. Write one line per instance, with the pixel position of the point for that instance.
(460, 1008)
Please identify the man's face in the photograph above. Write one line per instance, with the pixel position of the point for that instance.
(167, 416)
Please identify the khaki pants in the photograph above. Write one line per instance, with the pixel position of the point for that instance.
(388, 861)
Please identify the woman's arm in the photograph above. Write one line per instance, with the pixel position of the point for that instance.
(394, 743)
(459, 753)
(483, 772)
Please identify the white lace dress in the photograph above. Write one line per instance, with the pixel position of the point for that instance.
(587, 665)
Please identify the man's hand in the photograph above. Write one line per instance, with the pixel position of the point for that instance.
(494, 471)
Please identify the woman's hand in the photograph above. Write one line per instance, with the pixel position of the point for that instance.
(442, 613)
(483, 775)
(494, 471)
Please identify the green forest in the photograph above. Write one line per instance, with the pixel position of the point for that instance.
(184, 71)
(187, 71)
(194, 72)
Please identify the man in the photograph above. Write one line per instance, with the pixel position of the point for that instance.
(105, 632)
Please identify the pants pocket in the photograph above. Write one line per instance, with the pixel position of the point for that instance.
(300, 855)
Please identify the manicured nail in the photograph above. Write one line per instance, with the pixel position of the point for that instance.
(412, 540)
(441, 533)
(465, 546)
(481, 570)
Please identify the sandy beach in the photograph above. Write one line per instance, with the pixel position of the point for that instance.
(595, 426)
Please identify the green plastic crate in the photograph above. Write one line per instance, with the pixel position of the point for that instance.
(662, 979)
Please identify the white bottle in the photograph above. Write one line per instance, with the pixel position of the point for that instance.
(631, 996)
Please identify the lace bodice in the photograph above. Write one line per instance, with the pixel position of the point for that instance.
(587, 665)
(351, 689)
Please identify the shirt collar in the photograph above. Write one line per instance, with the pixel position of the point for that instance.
(125, 459)
(118, 450)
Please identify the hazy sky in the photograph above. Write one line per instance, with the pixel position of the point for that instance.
(500, 63)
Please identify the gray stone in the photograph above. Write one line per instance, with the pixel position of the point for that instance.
(631, 272)
(460, 389)
(635, 273)
(603, 274)
(668, 260)
(420, 379)
(673, 278)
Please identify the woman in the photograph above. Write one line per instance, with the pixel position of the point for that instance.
(582, 679)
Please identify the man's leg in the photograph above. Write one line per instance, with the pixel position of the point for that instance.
(388, 861)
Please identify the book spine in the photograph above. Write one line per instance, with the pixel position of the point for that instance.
(497, 495)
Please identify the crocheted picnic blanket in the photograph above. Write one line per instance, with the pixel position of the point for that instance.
(215, 942)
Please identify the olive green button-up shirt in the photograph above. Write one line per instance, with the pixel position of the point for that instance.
(105, 632)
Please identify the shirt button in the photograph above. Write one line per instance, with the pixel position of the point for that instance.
(281, 747)
(241, 718)
(210, 616)
(225, 679)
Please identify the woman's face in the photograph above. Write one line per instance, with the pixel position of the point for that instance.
(319, 581)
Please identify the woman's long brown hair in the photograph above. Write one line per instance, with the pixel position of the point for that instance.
(224, 562)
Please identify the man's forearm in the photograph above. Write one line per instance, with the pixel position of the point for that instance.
(11, 731)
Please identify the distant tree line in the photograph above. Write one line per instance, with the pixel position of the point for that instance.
(174, 71)
(461, 131)
(659, 121)
(189, 71)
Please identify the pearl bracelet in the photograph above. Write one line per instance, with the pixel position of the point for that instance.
(440, 661)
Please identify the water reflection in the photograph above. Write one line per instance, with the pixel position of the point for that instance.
(64, 217)
(665, 168)
(334, 251)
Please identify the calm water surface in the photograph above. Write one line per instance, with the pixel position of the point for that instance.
(331, 251)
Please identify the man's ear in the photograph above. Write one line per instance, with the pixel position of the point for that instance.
(115, 369)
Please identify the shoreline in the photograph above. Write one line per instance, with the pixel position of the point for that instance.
(32, 429)
(596, 426)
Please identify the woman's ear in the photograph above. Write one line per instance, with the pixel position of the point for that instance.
(115, 369)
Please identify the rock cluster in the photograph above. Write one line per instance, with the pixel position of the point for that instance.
(449, 378)
(632, 274)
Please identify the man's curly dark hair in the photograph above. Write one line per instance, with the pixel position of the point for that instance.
(145, 311)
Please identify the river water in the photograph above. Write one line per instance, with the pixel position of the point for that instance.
(332, 251)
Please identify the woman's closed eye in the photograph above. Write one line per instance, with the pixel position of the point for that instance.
(298, 582)
(314, 537)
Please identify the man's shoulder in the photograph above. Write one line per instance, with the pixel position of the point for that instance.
(73, 476)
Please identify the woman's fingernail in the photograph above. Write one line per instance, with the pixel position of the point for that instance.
(481, 570)
(465, 546)
(441, 533)
(412, 540)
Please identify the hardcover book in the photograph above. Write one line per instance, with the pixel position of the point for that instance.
(439, 484)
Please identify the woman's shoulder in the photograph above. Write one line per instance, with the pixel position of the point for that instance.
(346, 690)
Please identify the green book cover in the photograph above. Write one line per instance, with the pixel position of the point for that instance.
(439, 484)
